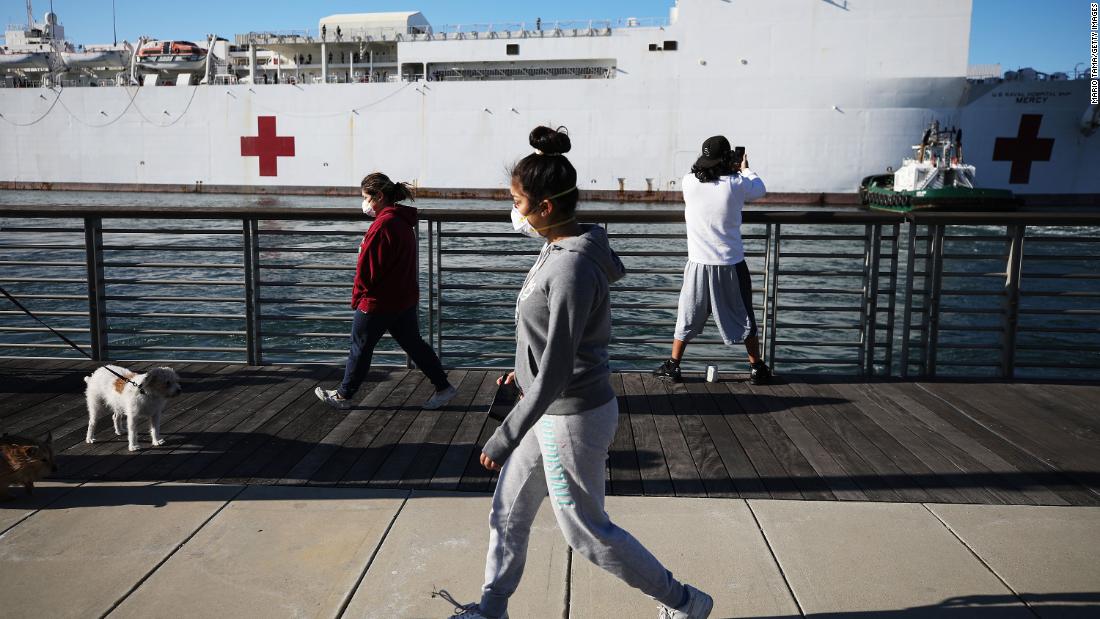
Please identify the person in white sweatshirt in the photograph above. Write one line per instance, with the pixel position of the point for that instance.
(716, 279)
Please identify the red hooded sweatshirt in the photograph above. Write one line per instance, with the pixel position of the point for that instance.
(386, 277)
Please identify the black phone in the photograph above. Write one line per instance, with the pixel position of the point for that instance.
(738, 154)
(506, 397)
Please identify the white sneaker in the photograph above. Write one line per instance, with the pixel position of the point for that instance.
(464, 611)
(698, 606)
(332, 398)
(471, 611)
(439, 398)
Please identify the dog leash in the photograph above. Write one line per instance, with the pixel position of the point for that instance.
(65, 339)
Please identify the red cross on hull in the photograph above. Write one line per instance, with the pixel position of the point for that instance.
(267, 146)
(1024, 149)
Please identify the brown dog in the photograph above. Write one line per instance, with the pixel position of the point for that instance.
(24, 460)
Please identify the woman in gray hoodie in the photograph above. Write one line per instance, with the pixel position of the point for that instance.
(555, 440)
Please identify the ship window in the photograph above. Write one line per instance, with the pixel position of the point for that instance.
(653, 47)
(513, 49)
(670, 46)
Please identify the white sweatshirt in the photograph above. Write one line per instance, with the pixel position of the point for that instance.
(713, 215)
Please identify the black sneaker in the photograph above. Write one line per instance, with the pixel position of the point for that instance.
(761, 374)
(669, 370)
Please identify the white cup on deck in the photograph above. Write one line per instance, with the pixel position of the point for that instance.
(712, 373)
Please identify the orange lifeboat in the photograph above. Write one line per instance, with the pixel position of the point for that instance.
(172, 56)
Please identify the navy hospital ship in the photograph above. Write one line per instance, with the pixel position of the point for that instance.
(821, 92)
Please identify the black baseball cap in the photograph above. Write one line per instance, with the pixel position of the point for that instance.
(715, 150)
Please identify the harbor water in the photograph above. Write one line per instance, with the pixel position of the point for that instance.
(308, 268)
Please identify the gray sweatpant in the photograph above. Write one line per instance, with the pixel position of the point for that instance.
(565, 456)
(721, 290)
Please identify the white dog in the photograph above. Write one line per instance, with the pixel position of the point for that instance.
(106, 391)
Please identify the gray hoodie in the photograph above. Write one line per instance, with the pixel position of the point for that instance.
(563, 324)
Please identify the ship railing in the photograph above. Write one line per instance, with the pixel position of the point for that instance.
(1011, 295)
(506, 34)
(275, 36)
(573, 28)
(485, 29)
(346, 35)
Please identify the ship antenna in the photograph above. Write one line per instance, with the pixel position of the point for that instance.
(30, 15)
(114, 23)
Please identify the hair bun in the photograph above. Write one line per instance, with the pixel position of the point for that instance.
(550, 141)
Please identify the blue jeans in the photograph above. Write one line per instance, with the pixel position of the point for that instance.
(367, 329)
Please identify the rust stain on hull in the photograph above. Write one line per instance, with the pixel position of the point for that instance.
(474, 193)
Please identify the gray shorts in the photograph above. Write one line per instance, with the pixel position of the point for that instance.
(723, 290)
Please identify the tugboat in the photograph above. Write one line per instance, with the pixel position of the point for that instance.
(936, 178)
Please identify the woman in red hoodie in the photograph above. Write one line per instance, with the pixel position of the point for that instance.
(386, 294)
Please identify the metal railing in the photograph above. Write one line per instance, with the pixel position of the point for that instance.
(999, 294)
(858, 286)
(993, 294)
(547, 28)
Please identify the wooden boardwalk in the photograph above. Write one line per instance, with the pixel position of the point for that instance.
(815, 438)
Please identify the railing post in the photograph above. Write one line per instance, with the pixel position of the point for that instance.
(934, 298)
(775, 296)
(431, 279)
(875, 231)
(767, 290)
(1012, 300)
(97, 290)
(864, 301)
(439, 288)
(253, 341)
(892, 304)
(910, 268)
(409, 365)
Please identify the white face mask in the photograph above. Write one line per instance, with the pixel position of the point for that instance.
(521, 225)
(368, 207)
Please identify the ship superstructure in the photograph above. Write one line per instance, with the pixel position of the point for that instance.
(820, 92)
(37, 54)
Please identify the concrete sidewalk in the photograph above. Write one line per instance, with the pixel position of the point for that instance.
(172, 550)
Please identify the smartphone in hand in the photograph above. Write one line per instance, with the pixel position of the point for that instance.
(507, 396)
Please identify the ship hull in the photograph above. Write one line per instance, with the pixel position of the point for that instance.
(450, 138)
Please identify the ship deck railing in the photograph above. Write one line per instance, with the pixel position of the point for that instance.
(578, 27)
(451, 32)
(867, 294)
